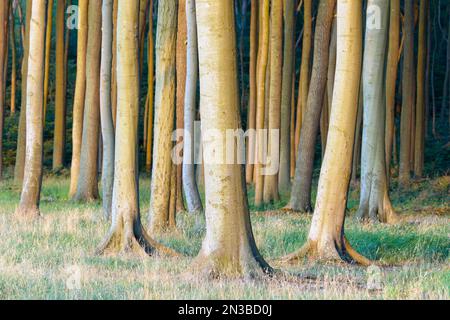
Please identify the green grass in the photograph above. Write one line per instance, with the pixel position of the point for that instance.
(37, 258)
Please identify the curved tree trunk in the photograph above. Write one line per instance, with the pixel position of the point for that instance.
(21, 138)
(263, 57)
(164, 115)
(60, 95)
(127, 234)
(326, 240)
(105, 107)
(87, 189)
(301, 190)
(4, 15)
(31, 190)
(191, 193)
(251, 121)
(229, 247)
(375, 203)
(303, 85)
(80, 91)
(391, 78)
(408, 96)
(284, 178)
(421, 84)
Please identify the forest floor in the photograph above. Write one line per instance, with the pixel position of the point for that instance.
(53, 258)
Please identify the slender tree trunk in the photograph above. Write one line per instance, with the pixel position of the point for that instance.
(105, 107)
(180, 97)
(151, 90)
(301, 190)
(229, 248)
(303, 87)
(251, 122)
(263, 57)
(13, 61)
(87, 189)
(191, 193)
(408, 96)
(48, 47)
(143, 10)
(80, 91)
(421, 84)
(375, 203)
(127, 234)
(29, 200)
(114, 64)
(274, 106)
(391, 79)
(21, 138)
(356, 163)
(60, 96)
(164, 115)
(326, 240)
(286, 96)
(4, 15)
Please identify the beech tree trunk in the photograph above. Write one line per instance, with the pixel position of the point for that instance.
(60, 95)
(31, 190)
(391, 79)
(80, 91)
(150, 92)
(4, 15)
(191, 193)
(301, 190)
(374, 202)
(303, 86)
(21, 135)
(251, 119)
(87, 189)
(180, 97)
(284, 178)
(421, 84)
(164, 115)
(408, 96)
(48, 48)
(229, 247)
(12, 28)
(274, 106)
(326, 240)
(105, 108)
(263, 57)
(127, 234)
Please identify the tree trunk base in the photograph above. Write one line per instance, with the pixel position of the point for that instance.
(344, 254)
(27, 214)
(299, 209)
(216, 267)
(381, 213)
(121, 241)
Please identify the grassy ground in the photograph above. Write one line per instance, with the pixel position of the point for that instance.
(45, 259)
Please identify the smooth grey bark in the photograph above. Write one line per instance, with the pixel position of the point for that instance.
(301, 189)
(191, 193)
(284, 177)
(374, 202)
(106, 107)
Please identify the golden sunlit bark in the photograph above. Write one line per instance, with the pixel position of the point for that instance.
(4, 15)
(31, 190)
(60, 95)
(326, 240)
(229, 247)
(263, 57)
(80, 91)
(164, 115)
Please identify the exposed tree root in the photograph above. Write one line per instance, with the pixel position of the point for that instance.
(211, 267)
(139, 243)
(333, 255)
(28, 214)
